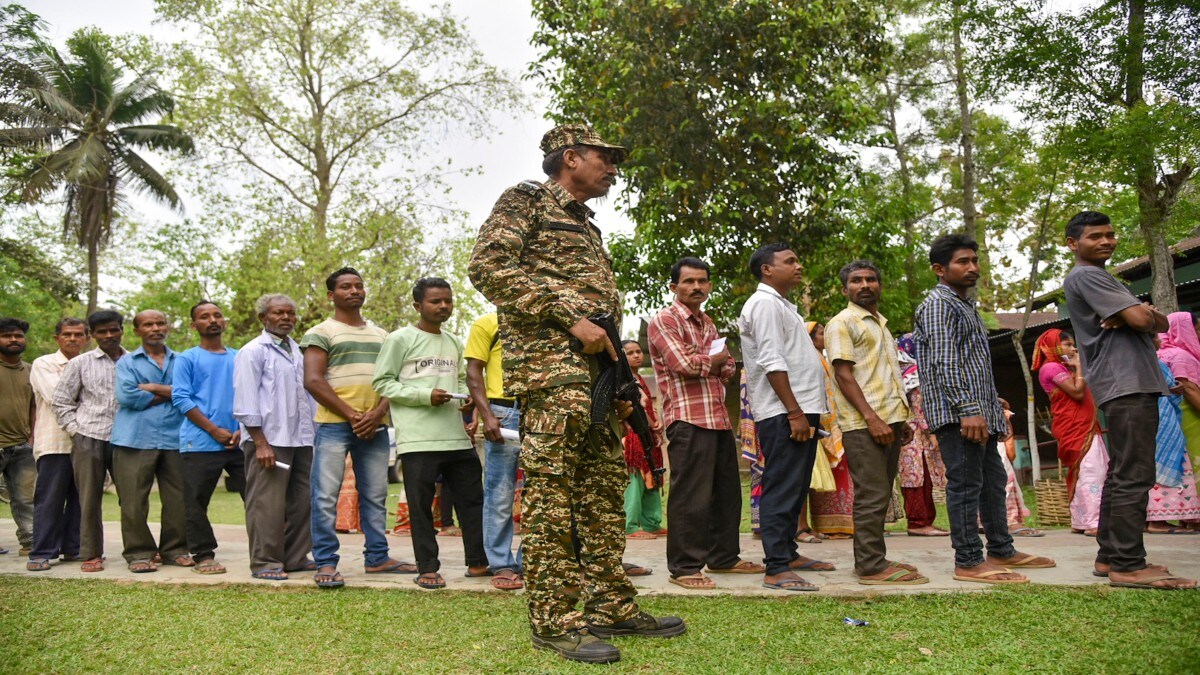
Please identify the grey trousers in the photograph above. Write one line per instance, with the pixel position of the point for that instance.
(91, 458)
(20, 474)
(134, 473)
(873, 469)
(278, 509)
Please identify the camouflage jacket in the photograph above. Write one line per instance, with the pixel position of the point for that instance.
(541, 261)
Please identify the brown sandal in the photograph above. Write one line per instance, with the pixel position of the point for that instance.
(92, 565)
(694, 582)
(507, 580)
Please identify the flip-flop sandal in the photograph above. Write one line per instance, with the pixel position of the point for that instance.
(694, 582)
(451, 531)
(210, 566)
(430, 583)
(142, 567)
(182, 561)
(813, 564)
(935, 533)
(1027, 532)
(1173, 530)
(807, 537)
(396, 567)
(1148, 583)
(270, 574)
(792, 585)
(632, 570)
(507, 580)
(896, 579)
(641, 534)
(38, 565)
(329, 579)
(1027, 562)
(93, 565)
(987, 578)
(903, 566)
(742, 567)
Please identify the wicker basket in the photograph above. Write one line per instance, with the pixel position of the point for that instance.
(1053, 507)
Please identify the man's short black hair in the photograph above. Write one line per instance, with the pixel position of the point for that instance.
(1084, 219)
(688, 261)
(103, 316)
(69, 321)
(943, 248)
(9, 324)
(552, 163)
(332, 279)
(856, 266)
(198, 305)
(765, 255)
(425, 283)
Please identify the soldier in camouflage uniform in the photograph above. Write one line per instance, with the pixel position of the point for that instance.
(541, 260)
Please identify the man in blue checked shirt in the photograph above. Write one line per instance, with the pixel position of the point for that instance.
(966, 414)
(145, 440)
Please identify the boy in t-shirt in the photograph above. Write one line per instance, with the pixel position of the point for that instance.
(421, 371)
(1113, 331)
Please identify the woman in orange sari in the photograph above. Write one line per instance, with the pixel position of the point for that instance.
(1074, 425)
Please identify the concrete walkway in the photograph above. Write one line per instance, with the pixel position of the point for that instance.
(933, 555)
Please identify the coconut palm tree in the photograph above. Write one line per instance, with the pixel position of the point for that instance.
(80, 121)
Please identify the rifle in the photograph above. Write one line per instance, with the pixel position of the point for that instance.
(617, 381)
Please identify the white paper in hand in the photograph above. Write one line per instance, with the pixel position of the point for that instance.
(281, 465)
(718, 345)
(510, 435)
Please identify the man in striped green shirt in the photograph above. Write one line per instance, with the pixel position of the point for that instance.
(339, 362)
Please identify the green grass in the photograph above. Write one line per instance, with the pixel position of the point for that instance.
(74, 625)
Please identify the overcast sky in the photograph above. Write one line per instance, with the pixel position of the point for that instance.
(502, 29)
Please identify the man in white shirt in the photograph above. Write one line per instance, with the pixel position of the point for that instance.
(55, 498)
(786, 383)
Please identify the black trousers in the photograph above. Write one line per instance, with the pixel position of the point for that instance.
(201, 474)
(55, 509)
(1132, 426)
(705, 508)
(785, 479)
(461, 470)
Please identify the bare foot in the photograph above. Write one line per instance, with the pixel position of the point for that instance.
(1103, 569)
(927, 531)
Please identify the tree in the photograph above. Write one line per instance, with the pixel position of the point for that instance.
(327, 113)
(738, 117)
(82, 121)
(1117, 76)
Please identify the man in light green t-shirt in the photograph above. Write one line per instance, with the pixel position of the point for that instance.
(420, 370)
(339, 363)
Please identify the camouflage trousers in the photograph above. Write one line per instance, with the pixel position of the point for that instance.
(571, 491)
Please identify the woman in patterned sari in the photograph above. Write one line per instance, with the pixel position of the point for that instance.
(921, 467)
(1173, 497)
(1074, 425)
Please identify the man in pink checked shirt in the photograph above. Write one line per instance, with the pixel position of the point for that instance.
(705, 507)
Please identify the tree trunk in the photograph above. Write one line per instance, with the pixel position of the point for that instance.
(972, 225)
(911, 264)
(93, 255)
(1153, 204)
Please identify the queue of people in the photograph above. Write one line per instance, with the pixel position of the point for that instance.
(833, 414)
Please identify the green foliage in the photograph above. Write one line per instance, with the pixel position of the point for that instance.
(74, 125)
(737, 114)
(326, 112)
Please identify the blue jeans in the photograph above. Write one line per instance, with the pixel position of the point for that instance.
(499, 485)
(975, 480)
(370, 461)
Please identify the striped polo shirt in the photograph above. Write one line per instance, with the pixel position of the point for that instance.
(352, 351)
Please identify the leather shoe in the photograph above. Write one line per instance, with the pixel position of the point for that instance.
(642, 624)
(579, 645)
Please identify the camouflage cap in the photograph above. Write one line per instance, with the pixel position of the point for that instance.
(566, 135)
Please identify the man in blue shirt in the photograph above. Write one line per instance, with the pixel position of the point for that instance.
(145, 440)
(202, 392)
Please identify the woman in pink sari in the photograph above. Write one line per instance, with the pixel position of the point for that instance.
(1174, 497)
(1074, 425)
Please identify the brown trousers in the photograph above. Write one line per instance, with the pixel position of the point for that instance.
(873, 468)
(279, 509)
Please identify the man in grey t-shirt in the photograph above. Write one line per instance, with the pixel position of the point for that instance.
(1113, 330)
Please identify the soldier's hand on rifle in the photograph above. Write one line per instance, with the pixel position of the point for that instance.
(593, 338)
(624, 408)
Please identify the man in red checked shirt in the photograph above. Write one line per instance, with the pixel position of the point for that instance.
(706, 493)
